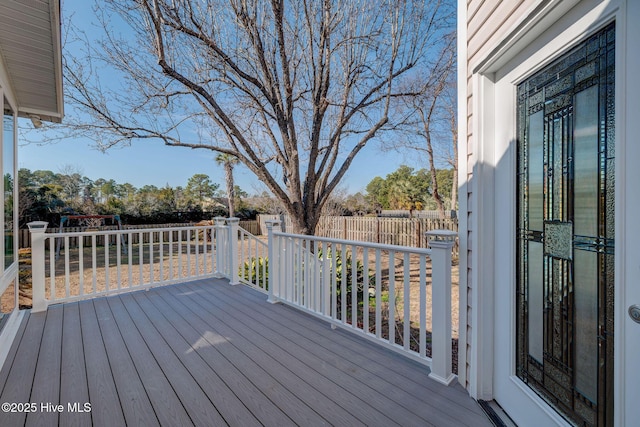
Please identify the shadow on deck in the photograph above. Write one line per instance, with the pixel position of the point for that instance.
(209, 354)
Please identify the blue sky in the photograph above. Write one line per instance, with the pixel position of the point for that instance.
(151, 163)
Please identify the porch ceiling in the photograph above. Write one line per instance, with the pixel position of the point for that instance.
(207, 353)
(30, 50)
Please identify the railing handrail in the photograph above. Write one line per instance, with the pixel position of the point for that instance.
(128, 231)
(370, 245)
(253, 237)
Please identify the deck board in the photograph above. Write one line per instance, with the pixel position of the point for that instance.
(207, 353)
(45, 387)
(74, 387)
(209, 344)
(136, 406)
(193, 398)
(337, 389)
(358, 381)
(407, 376)
(17, 388)
(165, 402)
(100, 381)
(281, 365)
(228, 403)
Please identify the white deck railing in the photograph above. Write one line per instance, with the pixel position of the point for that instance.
(391, 294)
(398, 296)
(79, 265)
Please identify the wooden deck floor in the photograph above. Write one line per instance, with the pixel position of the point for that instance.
(209, 354)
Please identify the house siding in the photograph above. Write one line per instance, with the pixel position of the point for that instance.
(487, 22)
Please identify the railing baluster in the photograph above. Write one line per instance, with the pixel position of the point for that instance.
(151, 252)
(171, 255)
(119, 261)
(423, 306)
(141, 258)
(81, 265)
(326, 283)
(334, 282)
(94, 263)
(406, 297)
(343, 281)
(354, 287)
(378, 293)
(291, 271)
(130, 259)
(67, 287)
(161, 254)
(298, 280)
(317, 284)
(180, 272)
(52, 268)
(365, 290)
(392, 297)
(188, 245)
(106, 263)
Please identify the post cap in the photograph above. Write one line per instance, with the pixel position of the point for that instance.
(233, 220)
(38, 226)
(272, 222)
(441, 236)
(219, 220)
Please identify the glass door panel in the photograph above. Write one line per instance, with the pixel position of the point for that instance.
(565, 231)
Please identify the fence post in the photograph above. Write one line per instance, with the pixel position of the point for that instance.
(219, 226)
(441, 243)
(37, 230)
(233, 224)
(272, 271)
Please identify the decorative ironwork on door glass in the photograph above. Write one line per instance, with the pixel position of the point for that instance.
(565, 236)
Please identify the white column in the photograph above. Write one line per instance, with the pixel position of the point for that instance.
(233, 223)
(219, 245)
(37, 230)
(441, 243)
(274, 276)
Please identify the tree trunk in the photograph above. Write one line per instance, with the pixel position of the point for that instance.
(231, 196)
(304, 222)
(454, 163)
(434, 176)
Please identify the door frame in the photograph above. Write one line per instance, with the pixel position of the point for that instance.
(544, 34)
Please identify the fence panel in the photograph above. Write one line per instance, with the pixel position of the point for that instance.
(383, 230)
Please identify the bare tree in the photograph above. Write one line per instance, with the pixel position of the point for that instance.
(450, 94)
(431, 118)
(294, 89)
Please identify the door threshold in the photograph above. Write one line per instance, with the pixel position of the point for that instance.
(496, 414)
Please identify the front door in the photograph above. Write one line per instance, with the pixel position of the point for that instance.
(565, 232)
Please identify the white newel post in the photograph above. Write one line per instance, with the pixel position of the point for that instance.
(441, 243)
(219, 229)
(233, 223)
(37, 230)
(273, 279)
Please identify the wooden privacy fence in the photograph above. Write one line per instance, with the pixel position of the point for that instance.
(386, 231)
